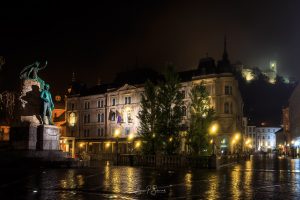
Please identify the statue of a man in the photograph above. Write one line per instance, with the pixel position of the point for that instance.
(48, 105)
(30, 71)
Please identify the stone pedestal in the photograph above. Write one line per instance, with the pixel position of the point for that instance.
(47, 137)
(28, 104)
(24, 137)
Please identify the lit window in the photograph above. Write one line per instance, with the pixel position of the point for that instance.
(112, 116)
(127, 100)
(72, 119)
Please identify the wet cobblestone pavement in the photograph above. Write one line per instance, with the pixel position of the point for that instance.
(259, 178)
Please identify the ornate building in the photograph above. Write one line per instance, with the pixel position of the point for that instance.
(94, 115)
(262, 138)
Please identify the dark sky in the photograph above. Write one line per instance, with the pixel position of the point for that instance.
(100, 40)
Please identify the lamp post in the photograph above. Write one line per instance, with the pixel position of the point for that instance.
(116, 135)
(130, 138)
(153, 145)
(248, 145)
(236, 138)
(213, 132)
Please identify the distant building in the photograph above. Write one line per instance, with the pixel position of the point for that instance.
(266, 138)
(251, 135)
(271, 72)
(262, 138)
(252, 73)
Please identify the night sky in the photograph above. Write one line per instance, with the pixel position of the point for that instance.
(97, 41)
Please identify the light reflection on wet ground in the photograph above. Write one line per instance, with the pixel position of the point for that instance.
(260, 178)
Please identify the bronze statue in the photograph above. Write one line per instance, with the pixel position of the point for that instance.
(48, 105)
(31, 72)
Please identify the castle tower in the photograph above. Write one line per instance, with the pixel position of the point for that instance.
(273, 66)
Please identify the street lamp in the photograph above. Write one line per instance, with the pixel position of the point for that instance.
(213, 129)
(237, 136)
(116, 135)
(236, 139)
(233, 143)
(248, 144)
(137, 145)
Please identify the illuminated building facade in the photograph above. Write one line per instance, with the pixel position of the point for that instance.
(95, 118)
(292, 119)
(262, 138)
(94, 115)
(266, 138)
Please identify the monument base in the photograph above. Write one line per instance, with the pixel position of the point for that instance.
(47, 137)
(24, 137)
